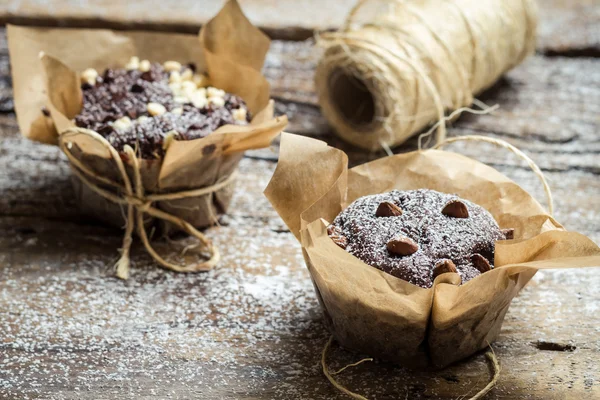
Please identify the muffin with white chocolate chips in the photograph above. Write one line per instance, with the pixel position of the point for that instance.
(417, 235)
(144, 105)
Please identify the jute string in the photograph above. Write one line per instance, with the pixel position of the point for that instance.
(501, 143)
(140, 203)
(490, 355)
(415, 61)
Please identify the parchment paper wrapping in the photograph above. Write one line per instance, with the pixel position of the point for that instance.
(229, 49)
(383, 316)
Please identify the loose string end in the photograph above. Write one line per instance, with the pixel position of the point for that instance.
(493, 360)
(502, 143)
(440, 125)
(330, 377)
(122, 267)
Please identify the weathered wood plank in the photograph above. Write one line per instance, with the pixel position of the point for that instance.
(547, 105)
(566, 26)
(252, 327)
(249, 329)
(569, 28)
(283, 20)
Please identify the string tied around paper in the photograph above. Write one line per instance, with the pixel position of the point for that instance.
(391, 74)
(504, 144)
(490, 355)
(139, 203)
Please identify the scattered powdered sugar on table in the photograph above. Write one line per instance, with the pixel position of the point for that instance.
(249, 329)
(75, 329)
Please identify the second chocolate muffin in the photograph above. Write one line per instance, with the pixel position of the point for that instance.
(144, 105)
(416, 235)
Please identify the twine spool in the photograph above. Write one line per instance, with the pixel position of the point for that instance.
(385, 78)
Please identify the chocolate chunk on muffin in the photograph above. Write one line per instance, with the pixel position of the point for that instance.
(417, 235)
(144, 105)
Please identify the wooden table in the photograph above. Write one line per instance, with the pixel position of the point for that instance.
(252, 327)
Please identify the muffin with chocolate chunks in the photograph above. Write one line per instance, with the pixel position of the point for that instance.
(145, 105)
(417, 235)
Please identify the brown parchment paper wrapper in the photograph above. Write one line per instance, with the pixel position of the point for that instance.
(386, 317)
(229, 49)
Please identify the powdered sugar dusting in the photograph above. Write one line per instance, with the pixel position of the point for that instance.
(422, 221)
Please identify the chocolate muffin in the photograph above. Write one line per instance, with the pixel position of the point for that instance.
(144, 105)
(417, 235)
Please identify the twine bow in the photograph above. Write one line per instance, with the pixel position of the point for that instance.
(139, 203)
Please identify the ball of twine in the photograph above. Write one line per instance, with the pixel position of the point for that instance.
(396, 71)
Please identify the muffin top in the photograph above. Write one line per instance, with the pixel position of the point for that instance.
(417, 235)
(145, 104)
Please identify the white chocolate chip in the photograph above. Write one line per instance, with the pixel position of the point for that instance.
(214, 92)
(201, 80)
(89, 76)
(134, 63)
(122, 124)
(188, 88)
(156, 109)
(217, 101)
(187, 75)
(176, 89)
(240, 114)
(145, 66)
(177, 111)
(175, 77)
(172, 66)
(143, 118)
(198, 101)
(181, 99)
(187, 85)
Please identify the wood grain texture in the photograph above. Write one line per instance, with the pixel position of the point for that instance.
(566, 26)
(569, 28)
(252, 327)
